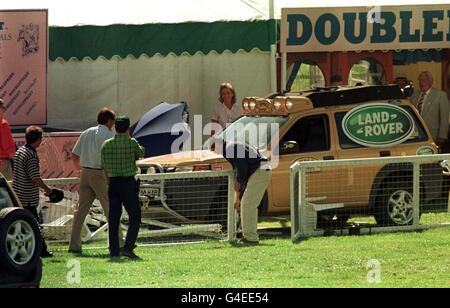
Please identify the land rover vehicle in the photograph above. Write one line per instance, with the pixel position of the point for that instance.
(20, 243)
(310, 126)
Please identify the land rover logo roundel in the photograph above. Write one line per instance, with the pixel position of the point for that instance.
(378, 125)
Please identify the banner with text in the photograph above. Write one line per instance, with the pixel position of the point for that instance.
(55, 154)
(365, 28)
(23, 66)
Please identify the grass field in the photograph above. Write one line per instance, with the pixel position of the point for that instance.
(407, 260)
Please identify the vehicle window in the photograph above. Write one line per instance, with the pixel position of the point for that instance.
(256, 131)
(312, 134)
(419, 134)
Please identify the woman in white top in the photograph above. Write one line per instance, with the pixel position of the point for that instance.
(226, 111)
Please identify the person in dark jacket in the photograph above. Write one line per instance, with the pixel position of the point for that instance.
(253, 175)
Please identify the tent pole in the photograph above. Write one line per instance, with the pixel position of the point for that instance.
(273, 50)
(273, 68)
(283, 70)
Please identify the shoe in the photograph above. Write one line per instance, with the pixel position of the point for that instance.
(129, 254)
(47, 254)
(114, 255)
(247, 242)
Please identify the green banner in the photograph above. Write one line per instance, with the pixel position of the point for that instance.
(150, 39)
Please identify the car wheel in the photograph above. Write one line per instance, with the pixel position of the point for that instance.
(20, 241)
(396, 206)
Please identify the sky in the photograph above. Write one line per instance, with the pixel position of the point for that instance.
(106, 12)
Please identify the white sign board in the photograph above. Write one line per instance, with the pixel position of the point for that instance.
(23, 66)
(365, 28)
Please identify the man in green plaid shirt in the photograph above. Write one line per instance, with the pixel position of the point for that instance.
(119, 155)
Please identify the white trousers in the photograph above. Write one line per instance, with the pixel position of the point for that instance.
(251, 199)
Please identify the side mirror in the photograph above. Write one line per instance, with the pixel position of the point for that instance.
(290, 147)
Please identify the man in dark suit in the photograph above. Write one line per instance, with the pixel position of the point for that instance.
(434, 107)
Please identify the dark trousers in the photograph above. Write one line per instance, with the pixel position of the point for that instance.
(123, 191)
(34, 212)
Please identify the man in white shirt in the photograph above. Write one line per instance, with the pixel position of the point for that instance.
(434, 107)
(86, 156)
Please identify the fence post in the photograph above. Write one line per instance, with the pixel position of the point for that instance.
(231, 210)
(416, 193)
(302, 201)
(294, 191)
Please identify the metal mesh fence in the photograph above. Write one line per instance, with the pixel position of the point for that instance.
(369, 195)
(176, 208)
(191, 207)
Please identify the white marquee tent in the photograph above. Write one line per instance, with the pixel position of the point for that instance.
(107, 12)
(131, 55)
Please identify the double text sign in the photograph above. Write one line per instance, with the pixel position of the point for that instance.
(365, 28)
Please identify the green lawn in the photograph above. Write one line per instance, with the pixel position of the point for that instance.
(407, 259)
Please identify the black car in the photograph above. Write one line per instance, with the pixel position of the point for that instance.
(20, 243)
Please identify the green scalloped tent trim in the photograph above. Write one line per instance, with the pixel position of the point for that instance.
(150, 39)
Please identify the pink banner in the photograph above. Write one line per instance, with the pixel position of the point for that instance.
(55, 154)
(23, 66)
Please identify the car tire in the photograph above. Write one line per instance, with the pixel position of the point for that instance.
(395, 206)
(20, 241)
